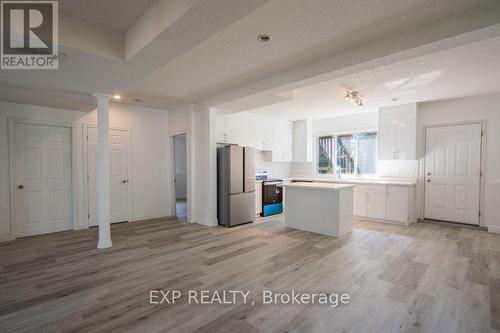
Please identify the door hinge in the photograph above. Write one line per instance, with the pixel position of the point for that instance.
(481, 173)
(88, 216)
(482, 133)
(479, 214)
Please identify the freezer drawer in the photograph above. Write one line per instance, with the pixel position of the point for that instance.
(241, 208)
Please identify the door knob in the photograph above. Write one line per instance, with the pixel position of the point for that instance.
(124, 181)
(428, 180)
(428, 173)
(20, 187)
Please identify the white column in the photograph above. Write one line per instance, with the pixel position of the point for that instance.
(103, 200)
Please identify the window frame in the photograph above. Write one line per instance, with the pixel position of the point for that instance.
(335, 135)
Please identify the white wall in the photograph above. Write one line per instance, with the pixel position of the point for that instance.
(180, 166)
(471, 109)
(150, 169)
(276, 169)
(151, 157)
(355, 122)
(178, 120)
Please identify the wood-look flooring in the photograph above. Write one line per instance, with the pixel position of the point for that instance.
(425, 278)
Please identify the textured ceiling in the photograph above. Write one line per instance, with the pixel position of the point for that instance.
(462, 71)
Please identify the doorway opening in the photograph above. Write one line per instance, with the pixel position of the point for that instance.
(180, 176)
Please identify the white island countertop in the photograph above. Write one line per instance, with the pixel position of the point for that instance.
(318, 186)
(356, 181)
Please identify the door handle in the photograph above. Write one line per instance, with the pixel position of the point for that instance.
(428, 180)
(124, 181)
(20, 187)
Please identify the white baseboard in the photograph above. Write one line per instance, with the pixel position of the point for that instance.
(145, 218)
(210, 222)
(369, 219)
(5, 237)
(494, 229)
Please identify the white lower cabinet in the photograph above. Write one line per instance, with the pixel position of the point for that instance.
(393, 204)
(376, 205)
(397, 208)
(258, 198)
(359, 204)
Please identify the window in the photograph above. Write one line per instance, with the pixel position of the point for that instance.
(347, 154)
(325, 154)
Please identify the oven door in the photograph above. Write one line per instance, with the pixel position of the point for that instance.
(271, 193)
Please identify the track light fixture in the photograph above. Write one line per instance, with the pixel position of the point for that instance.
(353, 97)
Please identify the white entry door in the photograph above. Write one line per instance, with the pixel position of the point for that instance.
(452, 173)
(42, 179)
(119, 175)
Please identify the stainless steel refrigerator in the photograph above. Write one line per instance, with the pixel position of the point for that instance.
(235, 185)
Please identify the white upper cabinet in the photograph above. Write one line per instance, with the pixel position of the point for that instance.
(282, 144)
(397, 132)
(302, 141)
(262, 134)
(267, 137)
(220, 128)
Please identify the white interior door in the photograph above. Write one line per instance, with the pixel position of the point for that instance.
(42, 179)
(452, 173)
(119, 175)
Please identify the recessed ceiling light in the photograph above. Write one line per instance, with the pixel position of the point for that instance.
(264, 38)
(116, 96)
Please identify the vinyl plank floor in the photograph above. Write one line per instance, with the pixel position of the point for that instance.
(424, 278)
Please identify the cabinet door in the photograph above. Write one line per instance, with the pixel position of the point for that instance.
(397, 204)
(376, 205)
(258, 199)
(282, 144)
(405, 135)
(236, 130)
(267, 137)
(249, 137)
(220, 128)
(386, 137)
(359, 203)
(288, 145)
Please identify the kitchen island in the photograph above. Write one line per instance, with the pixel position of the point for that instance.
(323, 208)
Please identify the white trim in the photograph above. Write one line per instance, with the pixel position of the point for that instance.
(5, 237)
(494, 229)
(370, 219)
(209, 222)
(153, 217)
(172, 172)
(421, 167)
(85, 211)
(12, 121)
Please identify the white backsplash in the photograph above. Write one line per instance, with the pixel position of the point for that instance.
(276, 169)
(302, 168)
(398, 169)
